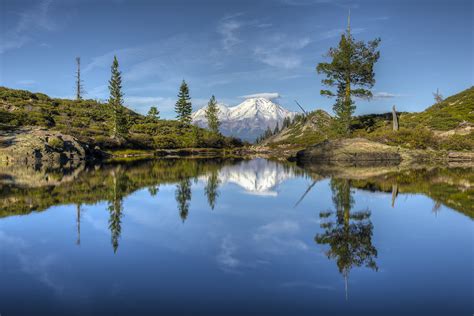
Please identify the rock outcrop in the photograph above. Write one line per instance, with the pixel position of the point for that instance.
(39, 146)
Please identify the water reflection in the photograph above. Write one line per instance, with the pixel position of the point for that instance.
(347, 233)
(183, 197)
(211, 189)
(256, 246)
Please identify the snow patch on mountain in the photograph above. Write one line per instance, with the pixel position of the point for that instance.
(248, 120)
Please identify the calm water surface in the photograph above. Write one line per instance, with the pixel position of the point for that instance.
(234, 237)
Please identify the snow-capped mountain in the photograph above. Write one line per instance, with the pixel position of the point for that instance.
(248, 120)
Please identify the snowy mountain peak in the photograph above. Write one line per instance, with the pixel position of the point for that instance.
(249, 119)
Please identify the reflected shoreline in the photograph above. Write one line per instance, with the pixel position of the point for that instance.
(24, 190)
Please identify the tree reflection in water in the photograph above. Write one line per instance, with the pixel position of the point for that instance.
(183, 196)
(211, 189)
(348, 234)
(115, 205)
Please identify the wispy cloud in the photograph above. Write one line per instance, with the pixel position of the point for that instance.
(29, 21)
(386, 95)
(380, 18)
(142, 103)
(266, 95)
(26, 82)
(279, 50)
(228, 28)
(337, 3)
(105, 60)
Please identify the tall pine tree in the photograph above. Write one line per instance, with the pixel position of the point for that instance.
(212, 112)
(183, 106)
(352, 64)
(119, 122)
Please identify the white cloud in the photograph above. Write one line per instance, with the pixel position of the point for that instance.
(341, 4)
(142, 103)
(385, 95)
(266, 95)
(105, 60)
(280, 51)
(33, 19)
(26, 82)
(228, 29)
(275, 60)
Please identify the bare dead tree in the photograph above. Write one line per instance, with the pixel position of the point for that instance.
(305, 113)
(79, 86)
(395, 119)
(438, 96)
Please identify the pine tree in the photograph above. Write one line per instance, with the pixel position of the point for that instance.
(352, 65)
(212, 112)
(119, 121)
(153, 114)
(183, 106)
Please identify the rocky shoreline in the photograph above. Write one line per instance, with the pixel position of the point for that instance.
(39, 146)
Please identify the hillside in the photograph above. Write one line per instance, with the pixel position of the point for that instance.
(447, 125)
(452, 113)
(304, 130)
(88, 121)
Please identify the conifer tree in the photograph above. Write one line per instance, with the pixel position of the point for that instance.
(352, 64)
(212, 112)
(183, 106)
(153, 114)
(119, 122)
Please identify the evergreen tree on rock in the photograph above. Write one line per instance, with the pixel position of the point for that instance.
(352, 64)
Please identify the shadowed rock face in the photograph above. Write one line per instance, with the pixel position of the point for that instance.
(38, 146)
(350, 150)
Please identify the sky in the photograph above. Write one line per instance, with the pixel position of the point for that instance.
(234, 49)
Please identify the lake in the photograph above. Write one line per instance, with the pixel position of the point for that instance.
(236, 237)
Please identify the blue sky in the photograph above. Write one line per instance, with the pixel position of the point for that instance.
(234, 48)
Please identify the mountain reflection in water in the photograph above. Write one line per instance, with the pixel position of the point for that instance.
(340, 225)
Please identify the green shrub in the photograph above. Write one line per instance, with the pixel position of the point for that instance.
(458, 142)
(56, 143)
(418, 138)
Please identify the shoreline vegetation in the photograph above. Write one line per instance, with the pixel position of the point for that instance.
(37, 129)
(27, 189)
